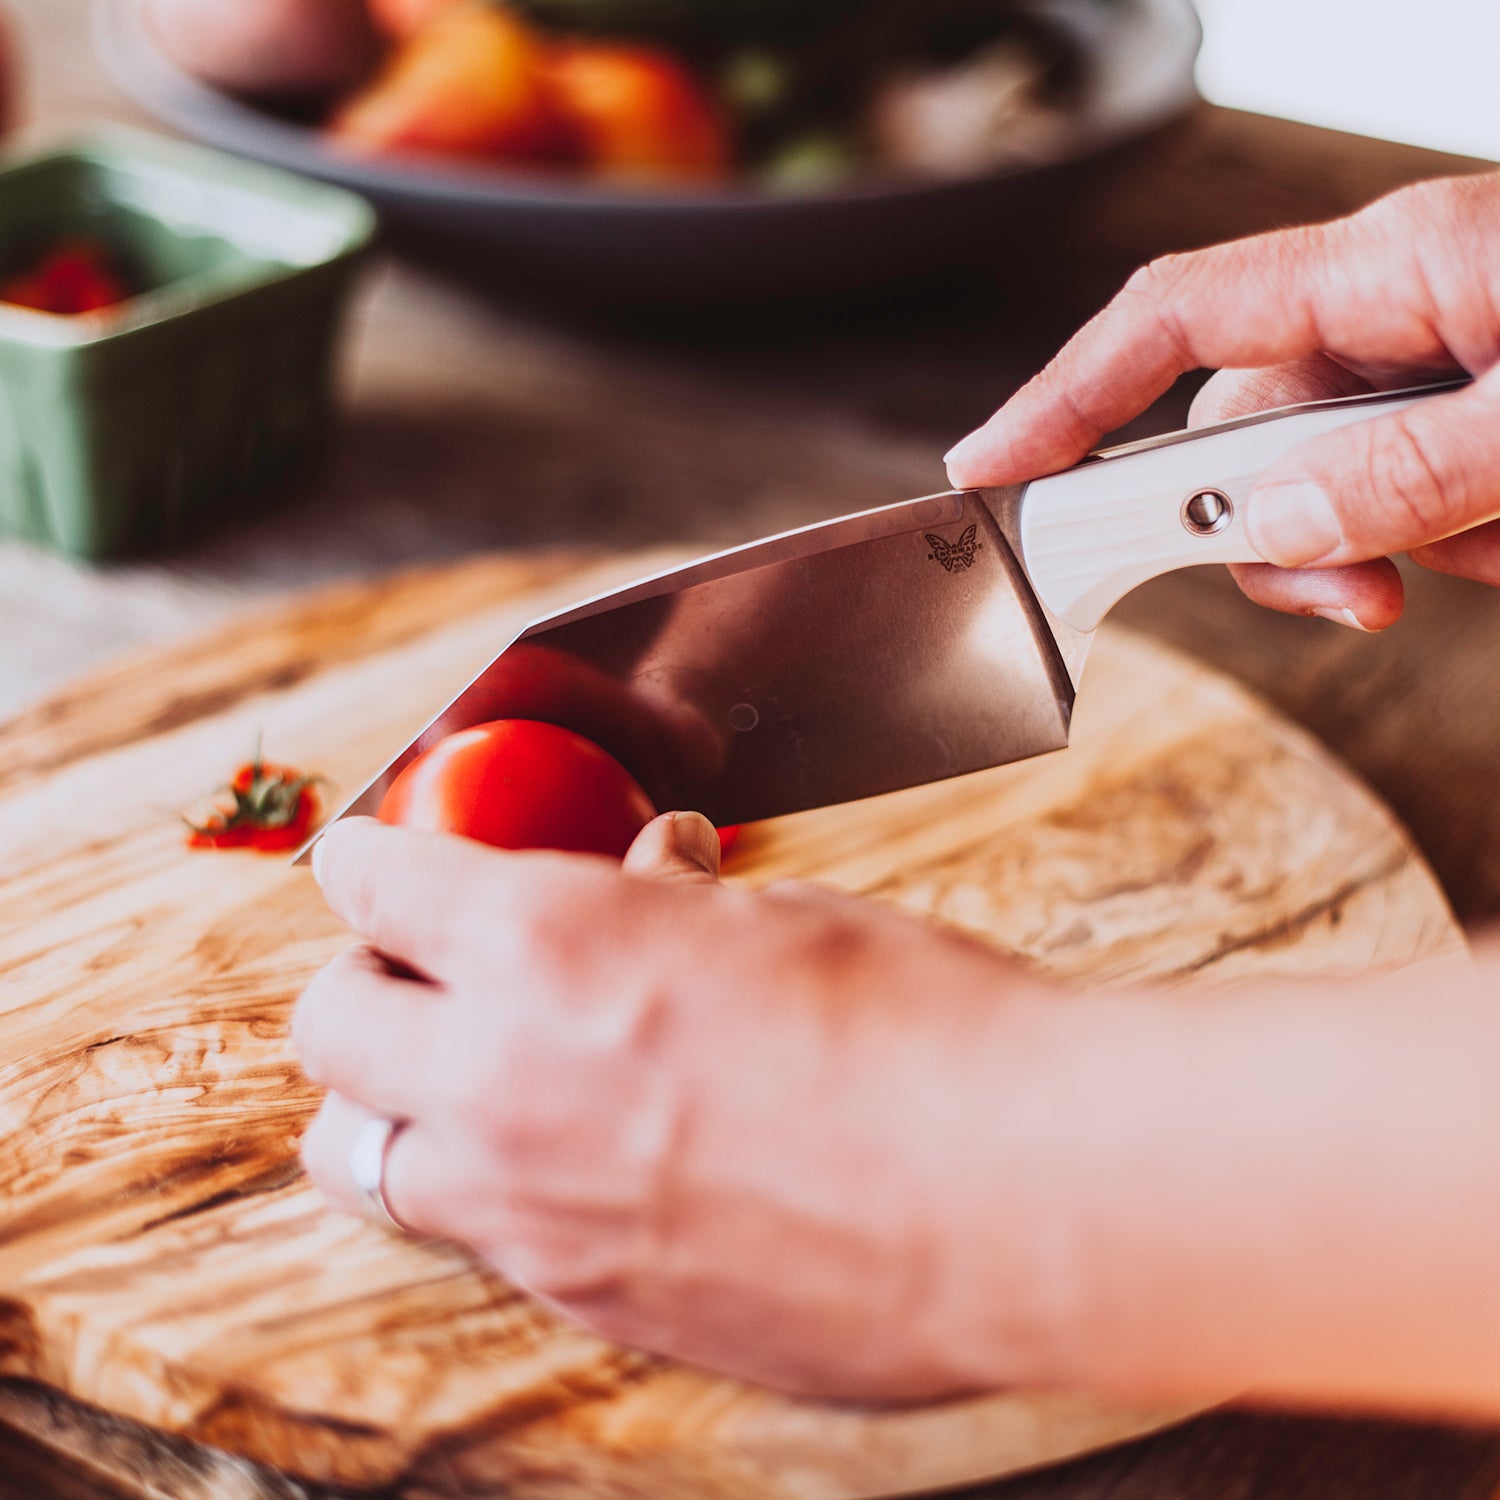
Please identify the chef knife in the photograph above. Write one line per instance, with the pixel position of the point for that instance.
(885, 649)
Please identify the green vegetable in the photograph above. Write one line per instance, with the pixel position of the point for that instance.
(811, 161)
(755, 81)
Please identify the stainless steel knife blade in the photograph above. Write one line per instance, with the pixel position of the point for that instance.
(892, 647)
(882, 650)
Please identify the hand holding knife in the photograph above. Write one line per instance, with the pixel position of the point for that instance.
(889, 648)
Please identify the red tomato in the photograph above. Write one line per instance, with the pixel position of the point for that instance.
(468, 83)
(404, 18)
(522, 784)
(728, 838)
(75, 277)
(638, 112)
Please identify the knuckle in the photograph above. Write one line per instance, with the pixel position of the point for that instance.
(486, 1071)
(827, 934)
(552, 927)
(309, 1028)
(1404, 209)
(1430, 213)
(1474, 205)
(1234, 393)
(1163, 287)
(640, 1019)
(1421, 199)
(304, 1025)
(319, 1150)
(835, 948)
(1417, 499)
(808, 894)
(1292, 262)
(1399, 204)
(1170, 281)
(315, 1016)
(476, 1093)
(575, 1229)
(1159, 278)
(511, 931)
(361, 880)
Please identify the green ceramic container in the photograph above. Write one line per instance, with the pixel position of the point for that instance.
(129, 429)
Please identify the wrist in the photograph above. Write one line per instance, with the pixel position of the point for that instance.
(1012, 1260)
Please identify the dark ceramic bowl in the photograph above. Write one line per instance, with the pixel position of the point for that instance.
(732, 242)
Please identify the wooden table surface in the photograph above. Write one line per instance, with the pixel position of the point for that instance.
(475, 422)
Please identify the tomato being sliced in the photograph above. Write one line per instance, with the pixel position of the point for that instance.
(522, 784)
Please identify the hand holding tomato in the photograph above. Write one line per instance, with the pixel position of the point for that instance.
(702, 1120)
(802, 1140)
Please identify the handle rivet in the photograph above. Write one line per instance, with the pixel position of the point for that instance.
(1207, 512)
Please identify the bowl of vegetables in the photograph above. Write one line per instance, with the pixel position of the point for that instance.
(681, 148)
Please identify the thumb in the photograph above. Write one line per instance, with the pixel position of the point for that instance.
(676, 846)
(1385, 485)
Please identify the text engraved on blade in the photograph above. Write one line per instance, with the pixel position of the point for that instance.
(954, 556)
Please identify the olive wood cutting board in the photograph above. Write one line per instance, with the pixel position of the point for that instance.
(163, 1262)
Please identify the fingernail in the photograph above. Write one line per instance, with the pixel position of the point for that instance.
(964, 451)
(1292, 524)
(317, 859)
(1343, 617)
(696, 840)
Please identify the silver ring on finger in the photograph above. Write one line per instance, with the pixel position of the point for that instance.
(368, 1155)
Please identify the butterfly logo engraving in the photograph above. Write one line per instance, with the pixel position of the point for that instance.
(954, 556)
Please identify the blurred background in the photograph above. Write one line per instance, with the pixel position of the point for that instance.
(1390, 68)
(655, 274)
(751, 276)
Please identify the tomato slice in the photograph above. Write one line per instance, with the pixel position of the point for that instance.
(264, 807)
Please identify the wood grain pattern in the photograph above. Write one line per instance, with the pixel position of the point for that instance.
(622, 436)
(161, 1258)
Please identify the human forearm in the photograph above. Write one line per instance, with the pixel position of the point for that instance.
(1294, 1196)
(817, 1145)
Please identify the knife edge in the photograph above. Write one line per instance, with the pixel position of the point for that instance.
(936, 510)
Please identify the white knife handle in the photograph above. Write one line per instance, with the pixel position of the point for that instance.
(1092, 533)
